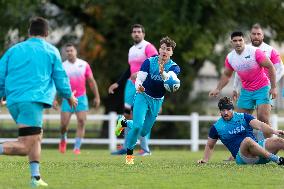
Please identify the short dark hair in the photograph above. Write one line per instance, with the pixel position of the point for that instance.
(225, 103)
(138, 26)
(256, 26)
(38, 26)
(237, 33)
(70, 45)
(168, 41)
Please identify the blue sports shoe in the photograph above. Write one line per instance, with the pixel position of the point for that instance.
(143, 153)
(119, 152)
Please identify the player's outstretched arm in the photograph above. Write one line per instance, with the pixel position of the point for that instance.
(237, 87)
(120, 81)
(259, 125)
(209, 148)
(224, 80)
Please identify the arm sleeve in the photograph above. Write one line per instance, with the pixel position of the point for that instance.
(237, 83)
(278, 64)
(3, 72)
(279, 71)
(227, 64)
(150, 50)
(124, 76)
(248, 117)
(141, 77)
(259, 56)
(60, 77)
(88, 72)
(213, 133)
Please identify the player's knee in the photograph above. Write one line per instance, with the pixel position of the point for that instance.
(248, 141)
(144, 133)
(81, 122)
(63, 128)
(28, 136)
(25, 150)
(64, 124)
(136, 127)
(263, 118)
(22, 148)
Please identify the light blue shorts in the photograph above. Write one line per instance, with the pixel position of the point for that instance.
(251, 99)
(81, 107)
(242, 160)
(145, 111)
(129, 94)
(27, 113)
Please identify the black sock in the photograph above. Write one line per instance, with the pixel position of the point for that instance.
(124, 123)
(129, 152)
(37, 177)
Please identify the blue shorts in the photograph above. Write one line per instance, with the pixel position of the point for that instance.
(27, 113)
(242, 160)
(251, 99)
(129, 94)
(81, 107)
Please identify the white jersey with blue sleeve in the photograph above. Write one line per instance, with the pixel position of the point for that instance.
(233, 132)
(150, 78)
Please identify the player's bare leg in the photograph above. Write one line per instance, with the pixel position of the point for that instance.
(65, 119)
(80, 133)
(263, 114)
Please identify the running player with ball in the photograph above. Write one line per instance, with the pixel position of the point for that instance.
(155, 72)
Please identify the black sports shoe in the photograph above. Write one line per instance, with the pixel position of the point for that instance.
(281, 161)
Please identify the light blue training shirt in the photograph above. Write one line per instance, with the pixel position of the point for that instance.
(233, 131)
(31, 71)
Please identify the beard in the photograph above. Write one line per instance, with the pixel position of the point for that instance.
(137, 40)
(256, 43)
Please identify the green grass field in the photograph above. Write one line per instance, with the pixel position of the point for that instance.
(164, 169)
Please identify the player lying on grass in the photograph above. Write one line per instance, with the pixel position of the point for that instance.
(235, 130)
